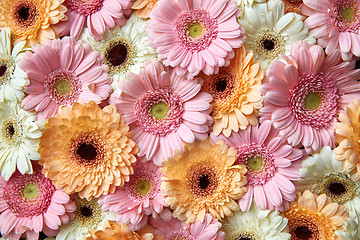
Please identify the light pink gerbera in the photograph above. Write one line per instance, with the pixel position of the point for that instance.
(138, 198)
(163, 109)
(30, 204)
(303, 97)
(271, 163)
(96, 15)
(336, 24)
(194, 35)
(61, 72)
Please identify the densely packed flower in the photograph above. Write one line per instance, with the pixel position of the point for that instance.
(113, 230)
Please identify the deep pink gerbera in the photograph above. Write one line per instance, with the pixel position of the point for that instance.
(62, 72)
(138, 198)
(194, 35)
(303, 97)
(96, 15)
(30, 204)
(272, 165)
(336, 24)
(163, 109)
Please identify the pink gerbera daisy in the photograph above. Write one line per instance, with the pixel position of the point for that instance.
(61, 72)
(271, 163)
(96, 15)
(138, 198)
(336, 24)
(30, 204)
(194, 35)
(163, 109)
(303, 97)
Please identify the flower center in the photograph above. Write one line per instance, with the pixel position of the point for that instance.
(88, 213)
(221, 85)
(312, 101)
(87, 151)
(24, 13)
(346, 15)
(6, 69)
(9, 130)
(143, 187)
(62, 87)
(30, 191)
(255, 163)
(202, 180)
(159, 110)
(245, 235)
(195, 30)
(3, 69)
(303, 233)
(268, 44)
(84, 7)
(143, 184)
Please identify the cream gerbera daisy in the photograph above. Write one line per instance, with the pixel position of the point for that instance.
(19, 139)
(270, 33)
(32, 20)
(201, 180)
(352, 226)
(125, 48)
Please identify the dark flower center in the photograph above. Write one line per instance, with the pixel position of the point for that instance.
(268, 44)
(87, 151)
(3, 69)
(10, 130)
(86, 211)
(337, 188)
(357, 65)
(204, 181)
(24, 13)
(221, 84)
(117, 54)
(303, 233)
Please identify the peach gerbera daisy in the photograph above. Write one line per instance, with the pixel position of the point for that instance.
(348, 138)
(201, 180)
(32, 20)
(236, 93)
(113, 230)
(315, 217)
(87, 149)
(144, 7)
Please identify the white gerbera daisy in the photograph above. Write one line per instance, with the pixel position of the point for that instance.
(270, 33)
(19, 139)
(242, 3)
(256, 224)
(88, 215)
(125, 48)
(12, 78)
(322, 174)
(352, 226)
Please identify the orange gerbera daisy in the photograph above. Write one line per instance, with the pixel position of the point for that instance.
(293, 6)
(314, 217)
(144, 7)
(87, 149)
(31, 20)
(236, 93)
(113, 231)
(201, 180)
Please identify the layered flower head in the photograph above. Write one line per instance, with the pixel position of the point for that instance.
(315, 217)
(271, 163)
(201, 180)
(113, 231)
(163, 109)
(96, 15)
(61, 72)
(236, 93)
(336, 24)
(193, 35)
(29, 203)
(304, 96)
(144, 7)
(87, 149)
(32, 20)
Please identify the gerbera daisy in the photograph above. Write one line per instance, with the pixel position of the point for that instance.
(271, 165)
(315, 217)
(293, 6)
(144, 7)
(347, 136)
(270, 33)
(236, 93)
(113, 230)
(88, 216)
(323, 174)
(194, 35)
(12, 78)
(138, 198)
(303, 97)
(32, 20)
(29, 203)
(125, 49)
(336, 25)
(256, 224)
(352, 226)
(201, 180)
(87, 149)
(19, 139)
(61, 72)
(242, 3)
(163, 109)
(96, 15)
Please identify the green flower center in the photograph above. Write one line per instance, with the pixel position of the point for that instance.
(143, 187)
(159, 110)
(312, 101)
(348, 13)
(255, 163)
(62, 87)
(30, 191)
(195, 30)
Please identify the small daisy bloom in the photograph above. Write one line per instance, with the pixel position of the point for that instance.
(163, 109)
(272, 166)
(270, 33)
(304, 96)
(336, 25)
(194, 35)
(96, 15)
(61, 72)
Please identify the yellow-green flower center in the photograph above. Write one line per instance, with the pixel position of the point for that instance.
(30, 191)
(143, 187)
(255, 163)
(159, 110)
(347, 13)
(195, 30)
(312, 101)
(62, 87)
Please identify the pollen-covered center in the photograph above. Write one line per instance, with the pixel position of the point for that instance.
(345, 14)
(268, 44)
(88, 213)
(10, 129)
(195, 30)
(6, 69)
(348, 13)
(143, 187)
(255, 163)
(24, 13)
(119, 54)
(62, 87)
(30, 191)
(312, 100)
(3, 69)
(246, 235)
(159, 110)
(202, 180)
